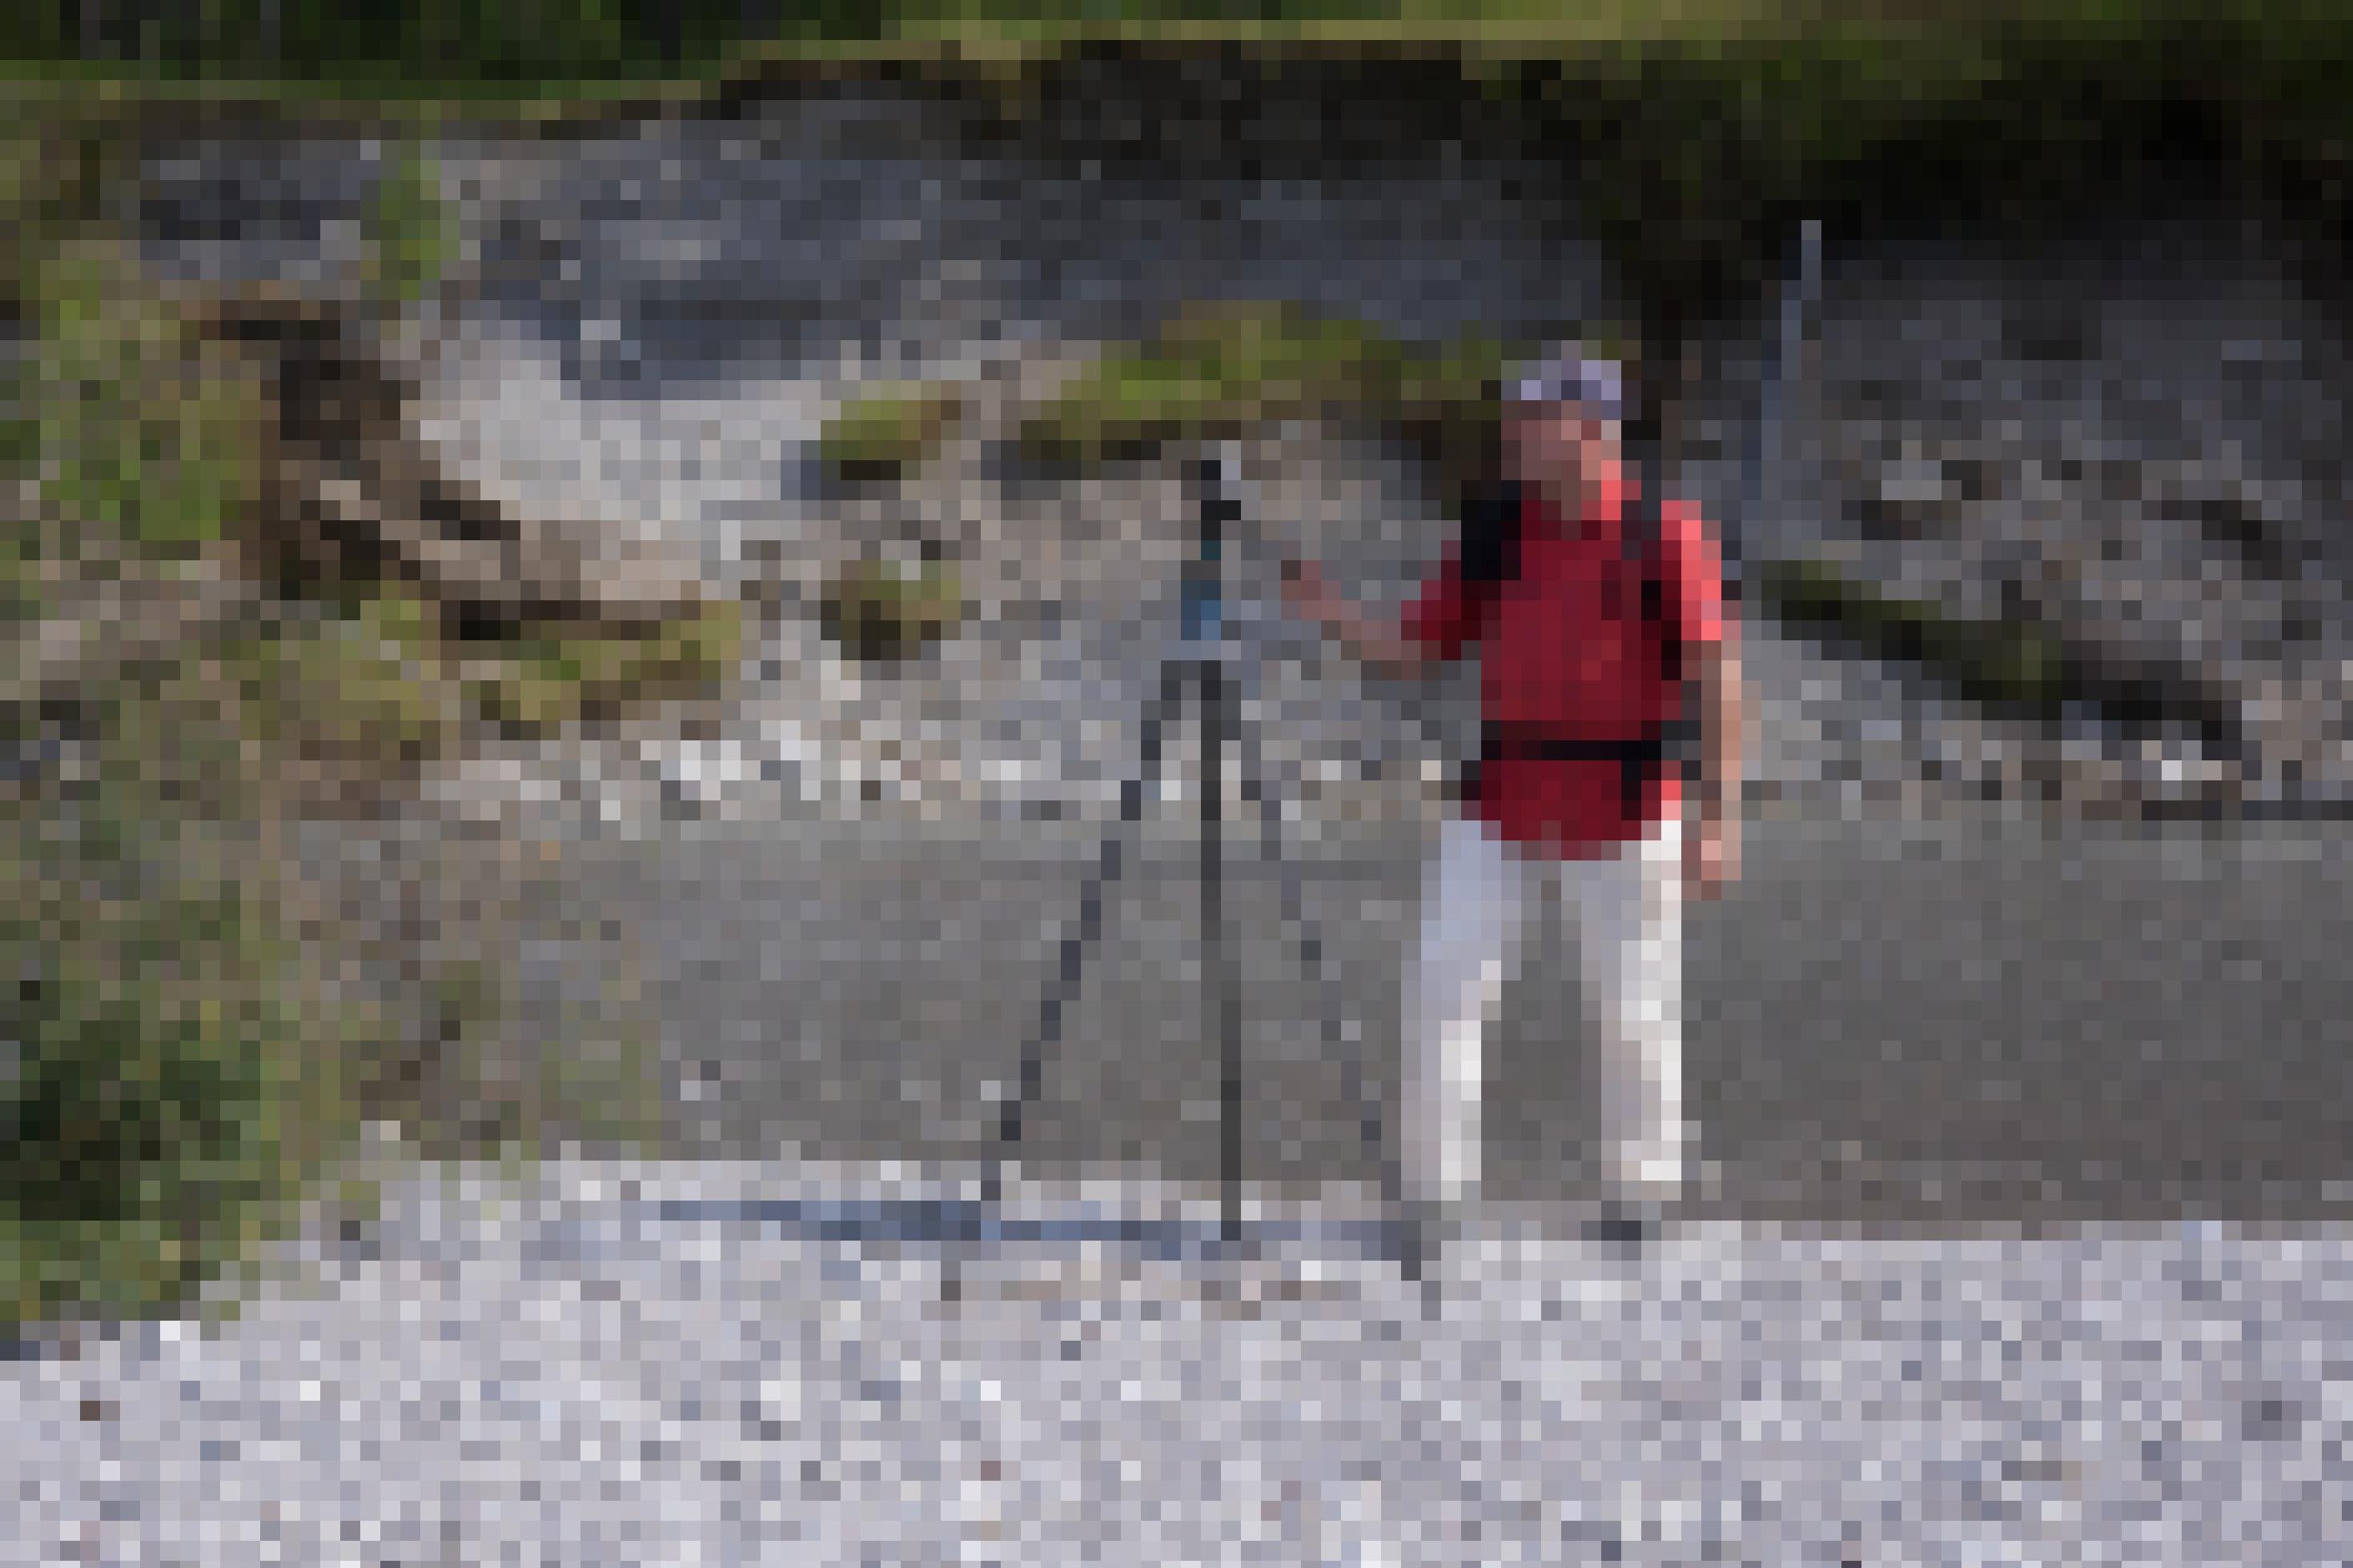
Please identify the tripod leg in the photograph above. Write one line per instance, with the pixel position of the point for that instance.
(1218, 726)
(1255, 780)
(1065, 984)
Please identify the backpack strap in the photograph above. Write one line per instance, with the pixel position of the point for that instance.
(1645, 534)
(1490, 532)
(1490, 552)
(1642, 535)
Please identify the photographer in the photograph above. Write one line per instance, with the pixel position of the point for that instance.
(1591, 612)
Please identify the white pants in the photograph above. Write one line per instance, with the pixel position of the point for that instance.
(1626, 912)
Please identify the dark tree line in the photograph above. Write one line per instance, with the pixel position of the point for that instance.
(513, 40)
(485, 40)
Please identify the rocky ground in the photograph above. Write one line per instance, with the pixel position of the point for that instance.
(2158, 480)
(1038, 706)
(616, 1366)
(2131, 437)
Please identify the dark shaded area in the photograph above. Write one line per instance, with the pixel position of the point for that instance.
(1693, 158)
(487, 41)
(922, 1223)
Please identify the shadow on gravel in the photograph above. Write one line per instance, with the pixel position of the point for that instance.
(943, 1223)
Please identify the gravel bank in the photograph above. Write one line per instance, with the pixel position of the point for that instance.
(560, 1373)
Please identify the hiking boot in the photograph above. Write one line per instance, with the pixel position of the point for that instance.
(1629, 1226)
(1426, 1233)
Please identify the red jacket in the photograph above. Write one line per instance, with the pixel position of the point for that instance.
(1567, 653)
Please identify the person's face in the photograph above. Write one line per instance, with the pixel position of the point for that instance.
(1562, 444)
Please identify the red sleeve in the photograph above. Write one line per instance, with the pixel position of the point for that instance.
(1694, 575)
(1450, 613)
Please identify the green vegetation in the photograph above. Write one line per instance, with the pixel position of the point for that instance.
(1216, 371)
(887, 430)
(365, 697)
(344, 698)
(132, 429)
(1225, 369)
(2029, 669)
(1696, 127)
(546, 679)
(2010, 664)
(174, 1078)
(878, 614)
(187, 1053)
(366, 48)
(411, 235)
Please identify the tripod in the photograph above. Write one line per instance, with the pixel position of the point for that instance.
(1203, 669)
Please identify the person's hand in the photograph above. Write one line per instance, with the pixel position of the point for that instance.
(1304, 589)
(1711, 858)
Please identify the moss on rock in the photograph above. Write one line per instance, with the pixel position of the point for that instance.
(886, 432)
(878, 614)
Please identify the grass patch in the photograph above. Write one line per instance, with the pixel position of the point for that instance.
(1229, 369)
(547, 678)
(178, 1071)
(410, 233)
(152, 447)
(885, 433)
(2022, 668)
(173, 1078)
(2010, 665)
(878, 614)
(352, 698)
(22, 595)
(181, 1053)
(1215, 371)
(384, 688)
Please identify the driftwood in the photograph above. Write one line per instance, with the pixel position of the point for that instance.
(350, 488)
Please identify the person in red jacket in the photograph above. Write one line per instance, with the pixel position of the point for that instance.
(1588, 635)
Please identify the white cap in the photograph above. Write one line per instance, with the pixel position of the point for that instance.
(1596, 386)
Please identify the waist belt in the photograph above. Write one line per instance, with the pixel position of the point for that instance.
(1639, 758)
(1499, 740)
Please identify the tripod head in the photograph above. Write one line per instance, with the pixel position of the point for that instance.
(1218, 480)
